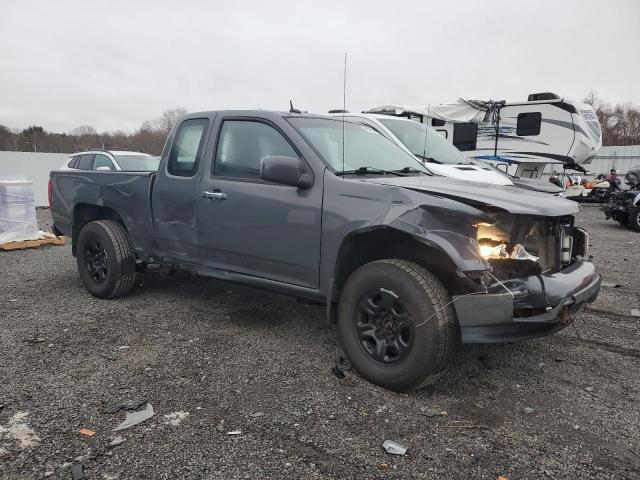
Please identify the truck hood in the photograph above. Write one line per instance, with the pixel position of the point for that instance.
(507, 198)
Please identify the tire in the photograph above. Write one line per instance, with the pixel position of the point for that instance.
(426, 331)
(106, 259)
(634, 219)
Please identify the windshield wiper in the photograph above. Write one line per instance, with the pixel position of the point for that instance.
(426, 159)
(370, 171)
(410, 170)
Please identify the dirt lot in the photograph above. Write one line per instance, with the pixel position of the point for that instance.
(213, 358)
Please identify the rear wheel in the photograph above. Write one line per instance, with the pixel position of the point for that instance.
(397, 325)
(106, 259)
(634, 219)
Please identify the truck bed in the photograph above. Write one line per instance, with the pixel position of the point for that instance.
(126, 194)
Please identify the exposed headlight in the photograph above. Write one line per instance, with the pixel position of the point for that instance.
(500, 251)
(489, 251)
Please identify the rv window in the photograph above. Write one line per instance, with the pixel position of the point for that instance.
(436, 122)
(528, 124)
(465, 136)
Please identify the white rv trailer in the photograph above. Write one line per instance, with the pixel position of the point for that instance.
(520, 138)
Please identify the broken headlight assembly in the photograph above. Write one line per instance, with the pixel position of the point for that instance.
(521, 245)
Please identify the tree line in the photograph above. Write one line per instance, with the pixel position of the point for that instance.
(149, 137)
(620, 125)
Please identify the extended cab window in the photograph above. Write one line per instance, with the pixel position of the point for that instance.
(243, 144)
(187, 147)
(528, 124)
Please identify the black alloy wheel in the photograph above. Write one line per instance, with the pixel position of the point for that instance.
(95, 259)
(383, 326)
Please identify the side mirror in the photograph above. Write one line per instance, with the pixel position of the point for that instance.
(104, 168)
(285, 170)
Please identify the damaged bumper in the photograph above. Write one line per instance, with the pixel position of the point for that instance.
(532, 307)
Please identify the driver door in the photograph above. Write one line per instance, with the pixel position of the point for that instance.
(251, 226)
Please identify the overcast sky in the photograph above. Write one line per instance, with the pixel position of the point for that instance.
(113, 64)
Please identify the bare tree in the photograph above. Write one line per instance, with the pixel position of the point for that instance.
(620, 123)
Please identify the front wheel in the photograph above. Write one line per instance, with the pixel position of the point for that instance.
(106, 259)
(634, 219)
(397, 324)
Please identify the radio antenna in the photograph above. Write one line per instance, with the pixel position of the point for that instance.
(426, 129)
(344, 106)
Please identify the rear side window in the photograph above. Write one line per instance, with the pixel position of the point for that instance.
(529, 124)
(465, 136)
(85, 162)
(242, 146)
(186, 150)
(103, 161)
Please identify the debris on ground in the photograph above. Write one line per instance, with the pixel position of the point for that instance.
(256, 414)
(432, 412)
(338, 372)
(115, 441)
(610, 284)
(77, 472)
(134, 418)
(589, 389)
(394, 448)
(220, 427)
(528, 410)
(124, 405)
(176, 418)
(87, 432)
(20, 431)
(35, 340)
(234, 432)
(635, 312)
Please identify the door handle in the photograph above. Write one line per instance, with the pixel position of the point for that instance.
(214, 196)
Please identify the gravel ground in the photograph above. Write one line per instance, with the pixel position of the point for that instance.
(213, 358)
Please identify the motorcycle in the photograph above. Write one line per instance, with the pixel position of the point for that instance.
(602, 190)
(624, 205)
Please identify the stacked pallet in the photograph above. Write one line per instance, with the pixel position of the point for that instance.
(43, 239)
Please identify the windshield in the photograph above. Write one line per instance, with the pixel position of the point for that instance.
(424, 141)
(363, 146)
(138, 163)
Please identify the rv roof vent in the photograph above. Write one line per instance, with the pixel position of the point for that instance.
(338, 111)
(534, 97)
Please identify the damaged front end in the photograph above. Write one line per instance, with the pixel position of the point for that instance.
(537, 276)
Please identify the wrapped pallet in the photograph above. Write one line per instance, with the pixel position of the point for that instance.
(17, 210)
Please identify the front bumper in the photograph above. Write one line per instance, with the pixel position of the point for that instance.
(533, 307)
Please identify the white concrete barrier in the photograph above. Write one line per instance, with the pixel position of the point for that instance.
(33, 166)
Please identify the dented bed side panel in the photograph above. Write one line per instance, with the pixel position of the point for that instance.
(125, 193)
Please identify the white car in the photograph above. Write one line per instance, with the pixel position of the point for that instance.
(428, 146)
(112, 160)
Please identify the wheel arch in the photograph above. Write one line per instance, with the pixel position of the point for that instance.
(84, 213)
(368, 245)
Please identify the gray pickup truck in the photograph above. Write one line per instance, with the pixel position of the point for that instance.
(407, 263)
